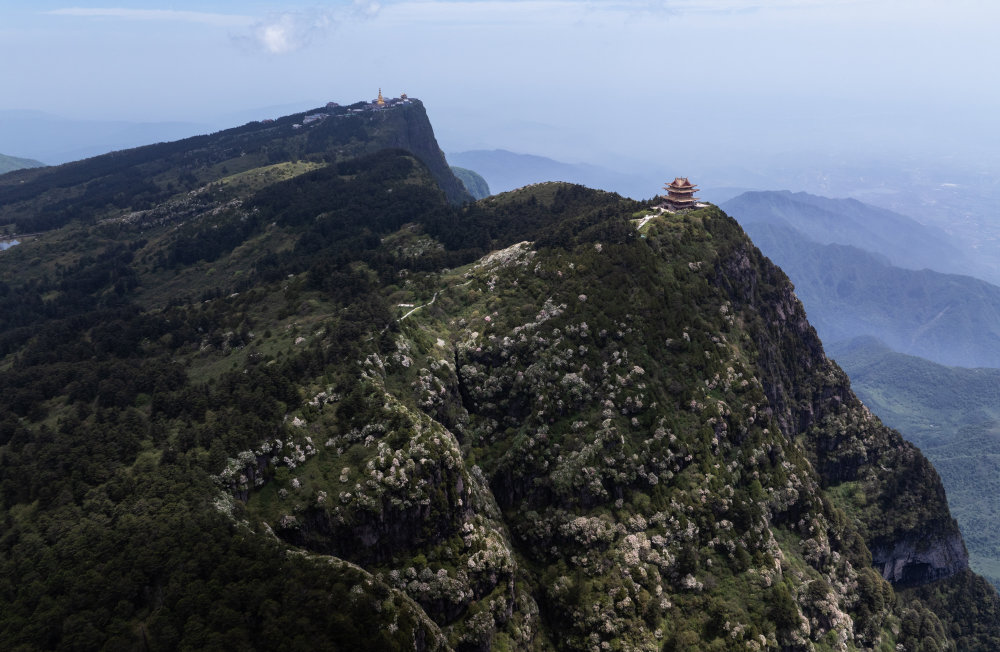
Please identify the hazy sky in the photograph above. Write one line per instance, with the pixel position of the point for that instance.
(577, 80)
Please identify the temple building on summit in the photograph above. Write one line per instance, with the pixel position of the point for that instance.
(680, 194)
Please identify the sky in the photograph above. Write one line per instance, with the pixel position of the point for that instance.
(616, 83)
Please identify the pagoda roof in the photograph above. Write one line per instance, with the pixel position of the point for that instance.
(681, 182)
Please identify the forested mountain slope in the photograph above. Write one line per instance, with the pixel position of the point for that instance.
(953, 415)
(168, 175)
(314, 404)
(475, 184)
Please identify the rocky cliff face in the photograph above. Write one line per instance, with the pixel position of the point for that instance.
(914, 562)
(164, 177)
(407, 127)
(846, 444)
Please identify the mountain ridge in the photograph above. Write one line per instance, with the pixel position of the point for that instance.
(314, 402)
(136, 179)
(11, 163)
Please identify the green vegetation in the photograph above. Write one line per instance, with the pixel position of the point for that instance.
(953, 415)
(11, 163)
(178, 180)
(311, 403)
(475, 184)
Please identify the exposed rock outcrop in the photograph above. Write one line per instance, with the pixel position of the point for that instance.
(915, 561)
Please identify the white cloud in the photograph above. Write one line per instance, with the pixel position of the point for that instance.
(366, 8)
(278, 33)
(289, 31)
(222, 20)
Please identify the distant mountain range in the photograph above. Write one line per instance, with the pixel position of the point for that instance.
(505, 170)
(904, 241)
(848, 292)
(957, 195)
(10, 163)
(840, 255)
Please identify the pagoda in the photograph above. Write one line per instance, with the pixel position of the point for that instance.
(680, 194)
(380, 101)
